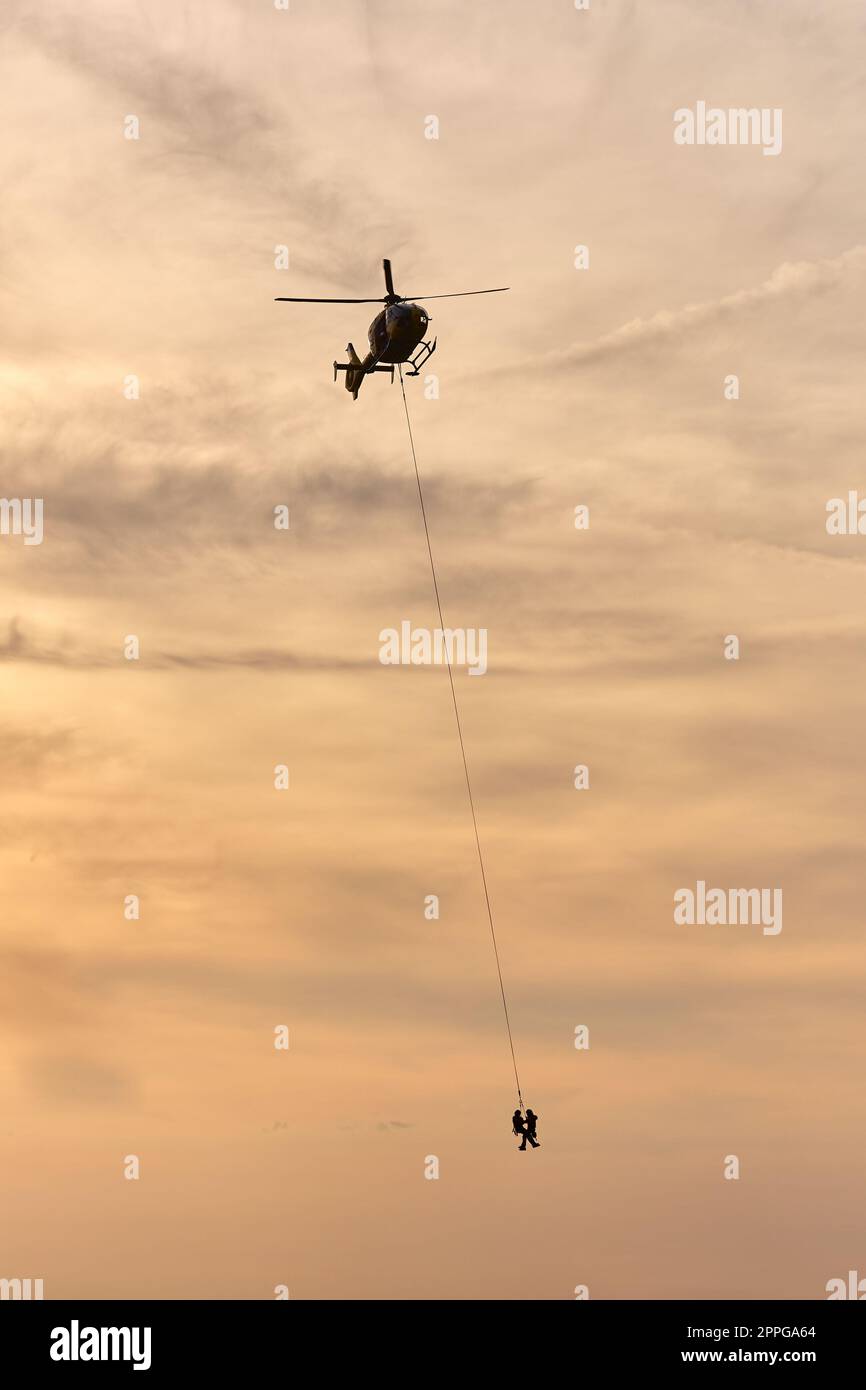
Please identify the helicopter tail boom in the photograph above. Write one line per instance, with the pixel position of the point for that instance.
(356, 370)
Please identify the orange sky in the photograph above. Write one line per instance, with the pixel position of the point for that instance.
(306, 908)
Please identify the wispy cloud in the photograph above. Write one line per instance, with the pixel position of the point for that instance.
(790, 279)
(20, 647)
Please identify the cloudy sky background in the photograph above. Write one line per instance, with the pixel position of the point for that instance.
(259, 647)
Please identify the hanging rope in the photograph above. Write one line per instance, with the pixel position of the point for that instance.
(462, 745)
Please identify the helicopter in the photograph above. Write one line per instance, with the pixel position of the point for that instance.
(396, 335)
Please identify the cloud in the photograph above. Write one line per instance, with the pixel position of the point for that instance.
(164, 64)
(788, 279)
(28, 750)
(74, 1079)
(19, 647)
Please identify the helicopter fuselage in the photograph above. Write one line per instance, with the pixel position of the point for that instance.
(396, 332)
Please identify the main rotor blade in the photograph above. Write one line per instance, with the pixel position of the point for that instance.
(291, 299)
(389, 283)
(458, 294)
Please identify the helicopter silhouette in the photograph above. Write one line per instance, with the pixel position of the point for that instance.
(394, 335)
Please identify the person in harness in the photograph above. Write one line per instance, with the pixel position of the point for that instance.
(517, 1126)
(531, 1126)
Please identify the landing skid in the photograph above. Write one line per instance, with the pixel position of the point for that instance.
(422, 355)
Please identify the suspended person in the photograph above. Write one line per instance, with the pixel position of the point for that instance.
(517, 1126)
(531, 1126)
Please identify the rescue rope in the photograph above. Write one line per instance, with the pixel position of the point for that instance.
(460, 738)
